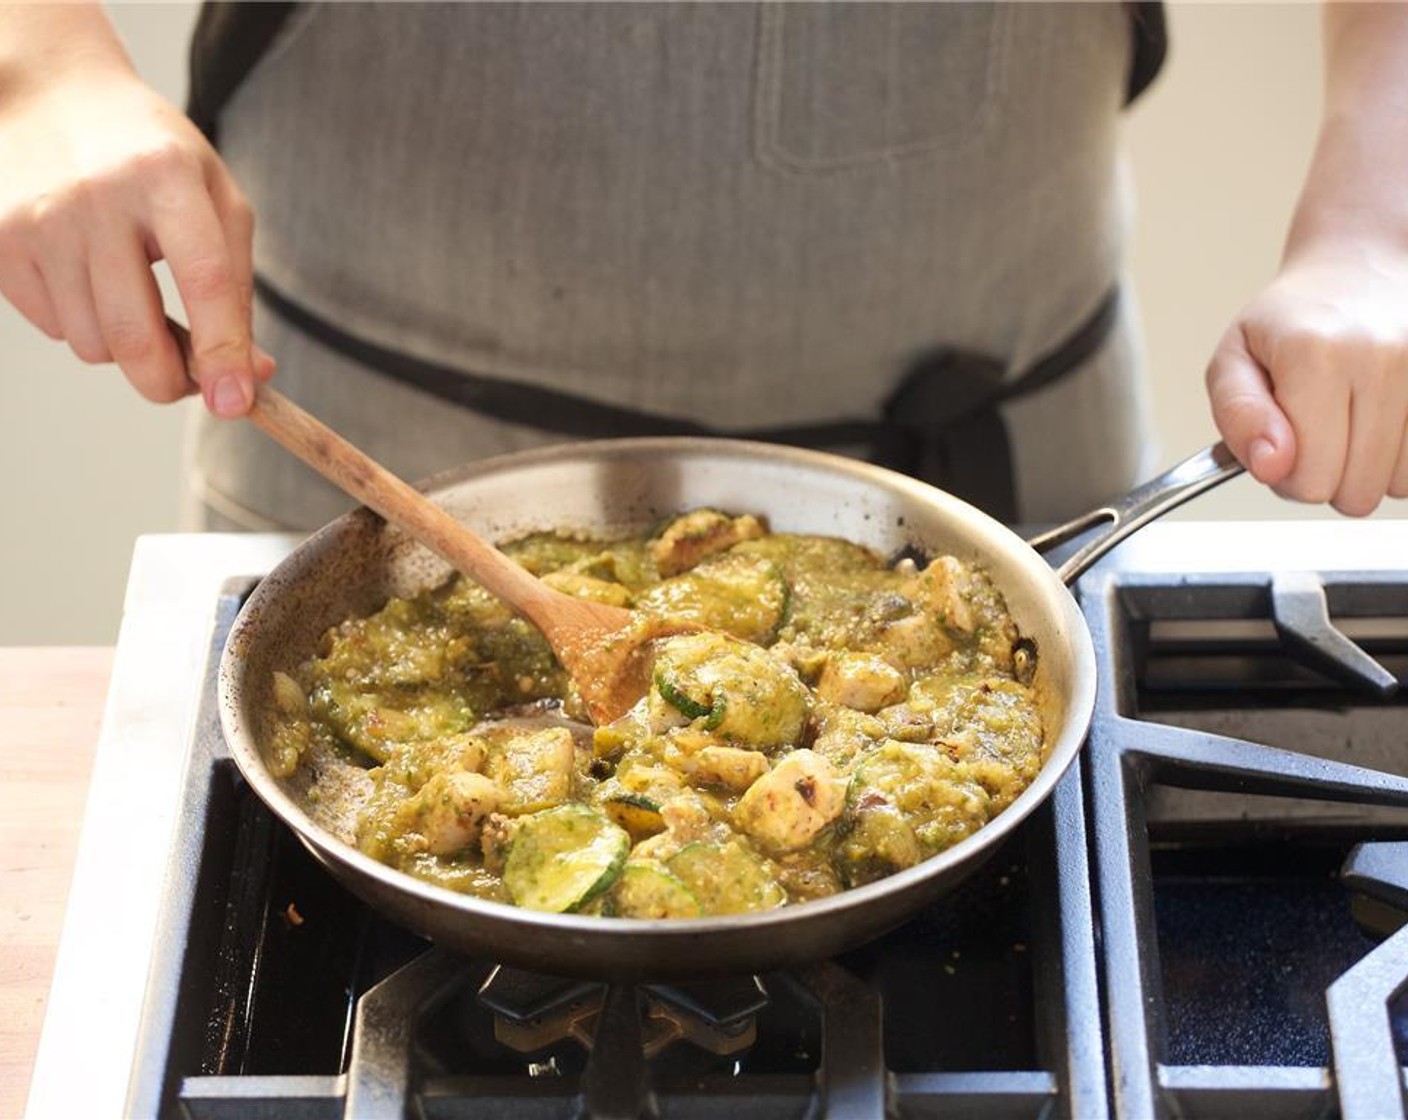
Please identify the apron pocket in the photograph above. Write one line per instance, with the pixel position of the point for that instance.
(850, 85)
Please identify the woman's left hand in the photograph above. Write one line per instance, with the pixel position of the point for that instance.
(1309, 386)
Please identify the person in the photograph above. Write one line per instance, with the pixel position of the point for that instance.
(894, 230)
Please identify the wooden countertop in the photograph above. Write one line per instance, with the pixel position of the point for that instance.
(51, 706)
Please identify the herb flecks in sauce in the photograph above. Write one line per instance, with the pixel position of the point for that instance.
(839, 720)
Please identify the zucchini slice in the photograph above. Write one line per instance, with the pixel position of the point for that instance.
(726, 878)
(746, 596)
(732, 688)
(879, 842)
(377, 723)
(562, 858)
(646, 889)
(636, 813)
(906, 802)
(711, 713)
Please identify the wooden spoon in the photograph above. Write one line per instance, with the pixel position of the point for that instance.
(603, 648)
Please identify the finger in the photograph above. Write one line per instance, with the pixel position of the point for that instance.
(1252, 424)
(237, 218)
(66, 279)
(1398, 484)
(192, 239)
(1377, 413)
(1315, 397)
(264, 364)
(22, 284)
(132, 319)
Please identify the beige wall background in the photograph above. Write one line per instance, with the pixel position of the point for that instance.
(1218, 148)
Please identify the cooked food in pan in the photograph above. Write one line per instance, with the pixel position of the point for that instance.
(838, 719)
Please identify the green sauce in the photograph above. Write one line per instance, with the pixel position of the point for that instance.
(841, 720)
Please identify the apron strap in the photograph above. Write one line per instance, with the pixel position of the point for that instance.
(231, 36)
(228, 41)
(941, 424)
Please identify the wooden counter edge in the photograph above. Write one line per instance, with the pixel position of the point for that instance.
(51, 709)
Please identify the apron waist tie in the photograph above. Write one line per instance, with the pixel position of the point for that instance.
(941, 424)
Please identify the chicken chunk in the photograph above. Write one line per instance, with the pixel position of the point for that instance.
(534, 769)
(788, 806)
(916, 640)
(687, 820)
(727, 766)
(861, 681)
(449, 810)
(944, 587)
(494, 841)
(704, 532)
(470, 751)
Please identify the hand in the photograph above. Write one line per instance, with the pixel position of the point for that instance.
(1309, 386)
(101, 178)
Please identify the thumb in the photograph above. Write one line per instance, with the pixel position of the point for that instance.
(1245, 411)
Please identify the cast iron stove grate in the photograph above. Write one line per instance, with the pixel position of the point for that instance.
(1237, 978)
(275, 993)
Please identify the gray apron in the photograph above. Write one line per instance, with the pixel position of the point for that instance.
(750, 217)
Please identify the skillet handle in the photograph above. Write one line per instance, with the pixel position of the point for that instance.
(1197, 474)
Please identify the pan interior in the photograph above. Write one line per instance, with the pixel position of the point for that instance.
(612, 488)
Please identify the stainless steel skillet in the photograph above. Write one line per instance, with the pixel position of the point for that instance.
(354, 564)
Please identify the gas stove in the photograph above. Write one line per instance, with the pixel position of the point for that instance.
(1203, 919)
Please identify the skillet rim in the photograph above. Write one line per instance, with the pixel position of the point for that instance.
(1061, 749)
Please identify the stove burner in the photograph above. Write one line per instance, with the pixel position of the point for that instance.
(531, 1012)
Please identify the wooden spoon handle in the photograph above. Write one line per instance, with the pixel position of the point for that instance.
(374, 486)
(361, 476)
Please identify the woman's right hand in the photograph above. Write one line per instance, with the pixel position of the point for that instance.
(101, 178)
